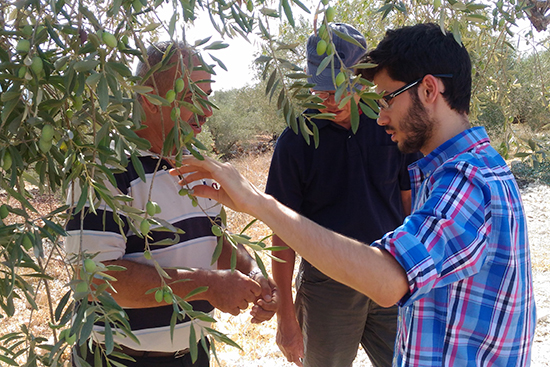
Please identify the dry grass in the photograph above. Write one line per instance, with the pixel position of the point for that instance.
(46, 293)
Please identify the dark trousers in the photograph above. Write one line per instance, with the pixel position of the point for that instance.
(143, 360)
(335, 319)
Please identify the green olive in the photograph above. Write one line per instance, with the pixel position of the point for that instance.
(22, 71)
(27, 30)
(159, 295)
(37, 65)
(180, 84)
(175, 113)
(81, 287)
(44, 145)
(321, 47)
(329, 14)
(340, 78)
(150, 208)
(323, 32)
(90, 265)
(170, 96)
(109, 39)
(137, 5)
(144, 227)
(23, 46)
(7, 161)
(47, 132)
(77, 103)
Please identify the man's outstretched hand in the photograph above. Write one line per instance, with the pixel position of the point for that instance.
(235, 191)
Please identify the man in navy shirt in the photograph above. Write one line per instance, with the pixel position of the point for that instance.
(348, 178)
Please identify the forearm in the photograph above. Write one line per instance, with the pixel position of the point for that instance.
(369, 270)
(133, 283)
(283, 273)
(245, 263)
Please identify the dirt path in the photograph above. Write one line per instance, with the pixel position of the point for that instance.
(536, 200)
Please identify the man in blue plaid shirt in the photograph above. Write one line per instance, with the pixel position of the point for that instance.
(459, 266)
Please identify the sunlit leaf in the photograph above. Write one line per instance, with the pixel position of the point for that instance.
(216, 45)
(354, 117)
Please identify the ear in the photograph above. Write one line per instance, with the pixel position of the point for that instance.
(148, 106)
(430, 89)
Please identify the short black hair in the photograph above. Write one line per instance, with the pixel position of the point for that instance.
(410, 53)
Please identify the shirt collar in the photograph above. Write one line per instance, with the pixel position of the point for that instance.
(463, 142)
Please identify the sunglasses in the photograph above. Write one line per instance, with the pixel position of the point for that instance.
(384, 102)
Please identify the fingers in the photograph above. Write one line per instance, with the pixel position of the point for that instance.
(267, 306)
(294, 356)
(204, 191)
(261, 313)
(297, 357)
(255, 290)
(267, 288)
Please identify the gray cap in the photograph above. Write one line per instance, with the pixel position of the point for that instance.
(349, 53)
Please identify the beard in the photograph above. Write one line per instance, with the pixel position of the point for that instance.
(417, 126)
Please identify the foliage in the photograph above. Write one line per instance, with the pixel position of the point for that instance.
(69, 116)
(508, 85)
(525, 173)
(243, 114)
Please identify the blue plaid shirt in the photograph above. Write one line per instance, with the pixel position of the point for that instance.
(466, 254)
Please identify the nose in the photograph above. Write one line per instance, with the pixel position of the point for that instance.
(383, 118)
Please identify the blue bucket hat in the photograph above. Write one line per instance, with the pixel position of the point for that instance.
(349, 53)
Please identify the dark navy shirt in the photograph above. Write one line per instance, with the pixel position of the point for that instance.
(350, 184)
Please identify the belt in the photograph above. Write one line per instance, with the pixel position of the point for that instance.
(151, 354)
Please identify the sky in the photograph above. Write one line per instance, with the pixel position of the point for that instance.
(238, 57)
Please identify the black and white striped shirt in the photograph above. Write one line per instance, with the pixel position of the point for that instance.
(100, 233)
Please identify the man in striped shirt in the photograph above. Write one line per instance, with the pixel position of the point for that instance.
(459, 266)
(188, 260)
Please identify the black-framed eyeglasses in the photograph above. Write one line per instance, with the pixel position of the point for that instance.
(384, 102)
